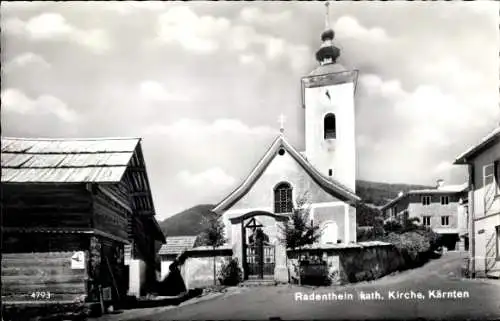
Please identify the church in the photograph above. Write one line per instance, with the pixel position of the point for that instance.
(324, 174)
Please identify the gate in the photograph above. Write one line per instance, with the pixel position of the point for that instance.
(260, 261)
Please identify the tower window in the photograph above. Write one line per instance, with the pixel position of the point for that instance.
(283, 198)
(330, 127)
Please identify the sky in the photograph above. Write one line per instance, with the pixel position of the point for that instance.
(203, 83)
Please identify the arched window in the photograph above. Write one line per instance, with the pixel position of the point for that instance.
(283, 198)
(330, 127)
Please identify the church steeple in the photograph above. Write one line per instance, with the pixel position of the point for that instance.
(327, 53)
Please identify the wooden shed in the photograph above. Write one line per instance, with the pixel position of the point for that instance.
(69, 208)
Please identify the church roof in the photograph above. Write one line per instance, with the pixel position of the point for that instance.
(327, 69)
(328, 184)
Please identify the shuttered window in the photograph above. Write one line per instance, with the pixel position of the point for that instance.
(497, 177)
(490, 186)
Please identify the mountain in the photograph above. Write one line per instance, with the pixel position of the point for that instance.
(373, 194)
(187, 222)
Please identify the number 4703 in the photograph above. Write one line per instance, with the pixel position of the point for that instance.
(44, 295)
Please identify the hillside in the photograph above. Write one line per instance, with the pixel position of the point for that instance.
(189, 222)
(379, 194)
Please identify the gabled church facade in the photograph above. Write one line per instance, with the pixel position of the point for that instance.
(325, 173)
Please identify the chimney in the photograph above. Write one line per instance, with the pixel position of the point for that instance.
(439, 183)
(401, 193)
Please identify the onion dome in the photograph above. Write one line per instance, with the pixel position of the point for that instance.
(327, 53)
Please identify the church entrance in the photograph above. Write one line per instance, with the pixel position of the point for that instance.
(259, 258)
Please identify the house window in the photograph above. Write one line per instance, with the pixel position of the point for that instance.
(426, 200)
(490, 183)
(445, 220)
(426, 220)
(393, 212)
(283, 198)
(330, 129)
(445, 200)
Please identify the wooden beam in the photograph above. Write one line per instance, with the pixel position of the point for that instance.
(137, 169)
(115, 199)
(110, 236)
(144, 212)
(144, 193)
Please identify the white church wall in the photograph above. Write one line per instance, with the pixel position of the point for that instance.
(352, 224)
(338, 154)
(334, 213)
(282, 169)
(329, 232)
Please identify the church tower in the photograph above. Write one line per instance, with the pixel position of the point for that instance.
(328, 100)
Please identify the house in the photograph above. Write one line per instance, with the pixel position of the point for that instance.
(483, 161)
(175, 246)
(444, 209)
(325, 173)
(70, 207)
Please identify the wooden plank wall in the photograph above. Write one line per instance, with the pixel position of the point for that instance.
(43, 242)
(26, 273)
(112, 210)
(46, 205)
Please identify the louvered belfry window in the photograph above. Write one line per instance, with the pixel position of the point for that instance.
(283, 198)
(330, 127)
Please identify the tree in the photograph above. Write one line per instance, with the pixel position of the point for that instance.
(213, 235)
(299, 230)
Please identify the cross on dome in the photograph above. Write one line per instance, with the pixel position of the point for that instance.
(281, 120)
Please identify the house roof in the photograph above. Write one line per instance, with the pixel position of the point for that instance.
(486, 142)
(90, 160)
(177, 244)
(330, 185)
(66, 160)
(447, 189)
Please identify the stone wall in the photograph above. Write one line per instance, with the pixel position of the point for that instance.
(351, 263)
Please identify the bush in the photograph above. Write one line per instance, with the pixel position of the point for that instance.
(230, 273)
(393, 227)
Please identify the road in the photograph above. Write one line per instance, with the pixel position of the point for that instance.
(480, 299)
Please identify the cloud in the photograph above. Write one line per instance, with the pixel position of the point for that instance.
(199, 34)
(443, 166)
(129, 7)
(54, 27)
(195, 128)
(15, 101)
(154, 91)
(27, 60)
(258, 16)
(211, 178)
(206, 34)
(349, 27)
(390, 89)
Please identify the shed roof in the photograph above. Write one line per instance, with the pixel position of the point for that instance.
(92, 160)
(177, 244)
